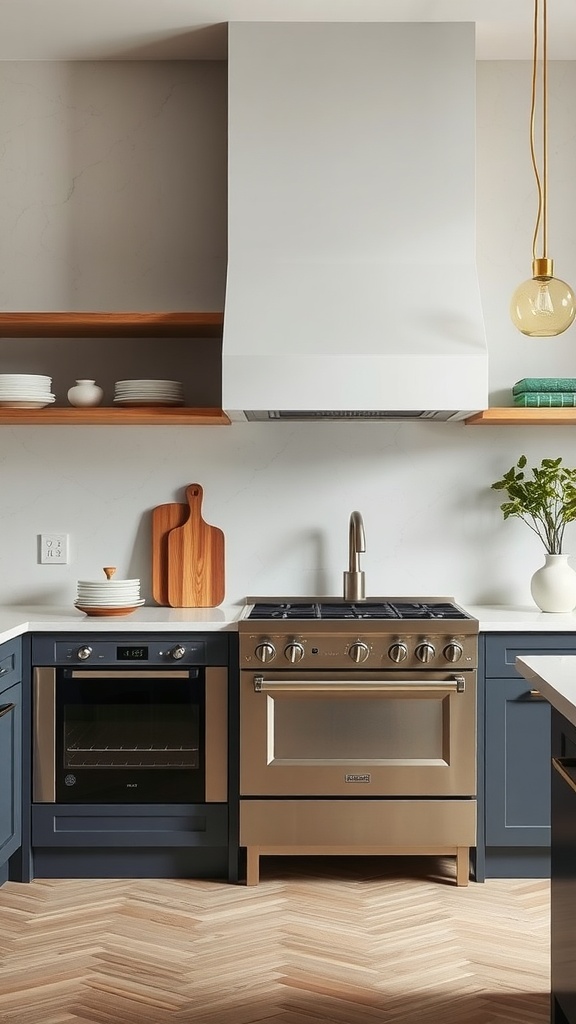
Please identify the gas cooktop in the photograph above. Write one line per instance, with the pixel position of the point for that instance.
(436, 609)
(380, 632)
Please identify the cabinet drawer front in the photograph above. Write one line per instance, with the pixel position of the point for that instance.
(132, 825)
(10, 663)
(501, 651)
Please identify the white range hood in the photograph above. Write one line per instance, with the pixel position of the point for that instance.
(352, 288)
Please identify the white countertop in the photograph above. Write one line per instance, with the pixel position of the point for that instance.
(555, 677)
(41, 619)
(528, 619)
(16, 620)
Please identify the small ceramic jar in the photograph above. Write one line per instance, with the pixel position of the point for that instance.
(85, 392)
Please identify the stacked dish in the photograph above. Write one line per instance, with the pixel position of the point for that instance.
(149, 392)
(25, 391)
(108, 597)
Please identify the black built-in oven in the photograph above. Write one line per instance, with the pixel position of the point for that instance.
(130, 720)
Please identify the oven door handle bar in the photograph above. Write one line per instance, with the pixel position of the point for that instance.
(5, 709)
(455, 685)
(170, 673)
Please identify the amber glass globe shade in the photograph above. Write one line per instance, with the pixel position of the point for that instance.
(543, 307)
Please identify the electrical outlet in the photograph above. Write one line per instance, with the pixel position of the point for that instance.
(53, 549)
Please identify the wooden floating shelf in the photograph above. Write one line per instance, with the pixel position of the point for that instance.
(143, 415)
(111, 325)
(522, 416)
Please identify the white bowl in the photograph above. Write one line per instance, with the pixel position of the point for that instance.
(108, 591)
(107, 583)
(132, 589)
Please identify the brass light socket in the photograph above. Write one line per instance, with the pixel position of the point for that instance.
(542, 268)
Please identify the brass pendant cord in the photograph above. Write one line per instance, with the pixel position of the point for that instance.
(541, 181)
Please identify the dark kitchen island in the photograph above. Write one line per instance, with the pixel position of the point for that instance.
(556, 680)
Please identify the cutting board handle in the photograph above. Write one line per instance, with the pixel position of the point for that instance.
(194, 497)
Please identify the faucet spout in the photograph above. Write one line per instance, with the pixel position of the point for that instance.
(354, 587)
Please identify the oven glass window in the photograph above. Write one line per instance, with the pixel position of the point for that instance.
(333, 730)
(134, 735)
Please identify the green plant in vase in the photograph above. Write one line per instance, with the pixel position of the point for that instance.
(546, 502)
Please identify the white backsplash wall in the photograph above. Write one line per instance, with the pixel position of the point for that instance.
(112, 179)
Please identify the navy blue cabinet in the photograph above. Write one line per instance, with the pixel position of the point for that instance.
(517, 765)
(10, 752)
(517, 752)
(131, 841)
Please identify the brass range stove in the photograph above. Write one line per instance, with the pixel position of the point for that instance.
(357, 728)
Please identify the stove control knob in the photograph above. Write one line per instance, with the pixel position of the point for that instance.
(453, 651)
(177, 652)
(84, 653)
(265, 652)
(294, 652)
(425, 652)
(398, 652)
(359, 652)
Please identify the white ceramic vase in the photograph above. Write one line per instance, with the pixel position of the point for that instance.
(85, 393)
(553, 586)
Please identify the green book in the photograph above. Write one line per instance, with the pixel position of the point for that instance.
(544, 384)
(550, 399)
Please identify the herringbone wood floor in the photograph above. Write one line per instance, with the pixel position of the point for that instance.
(319, 941)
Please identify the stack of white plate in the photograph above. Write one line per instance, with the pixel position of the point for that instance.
(25, 391)
(149, 392)
(108, 597)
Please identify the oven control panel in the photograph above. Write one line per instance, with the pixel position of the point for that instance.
(203, 649)
(406, 650)
(105, 653)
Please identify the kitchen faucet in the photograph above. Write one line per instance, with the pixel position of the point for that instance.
(354, 578)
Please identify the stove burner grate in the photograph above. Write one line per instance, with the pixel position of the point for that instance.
(360, 610)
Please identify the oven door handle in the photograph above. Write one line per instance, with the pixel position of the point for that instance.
(170, 673)
(418, 686)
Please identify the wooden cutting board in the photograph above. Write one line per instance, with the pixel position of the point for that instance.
(164, 518)
(195, 558)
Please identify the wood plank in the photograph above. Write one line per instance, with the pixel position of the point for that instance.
(64, 324)
(143, 415)
(518, 416)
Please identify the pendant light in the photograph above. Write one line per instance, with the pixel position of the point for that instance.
(544, 306)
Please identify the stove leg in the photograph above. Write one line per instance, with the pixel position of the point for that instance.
(462, 865)
(252, 865)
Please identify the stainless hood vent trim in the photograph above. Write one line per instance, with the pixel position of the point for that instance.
(306, 415)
